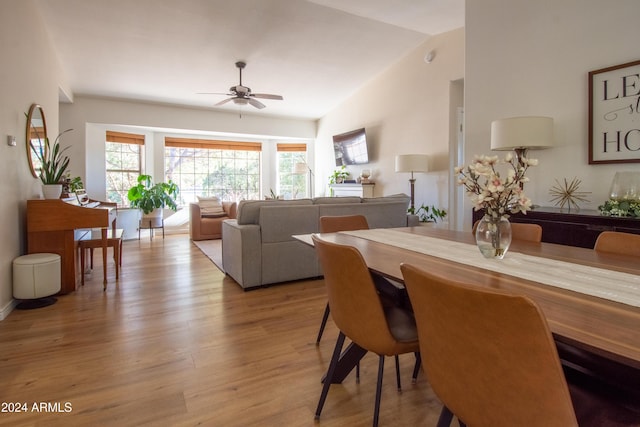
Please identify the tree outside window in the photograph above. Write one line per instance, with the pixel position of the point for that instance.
(123, 155)
(213, 168)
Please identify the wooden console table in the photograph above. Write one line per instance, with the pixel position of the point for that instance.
(580, 228)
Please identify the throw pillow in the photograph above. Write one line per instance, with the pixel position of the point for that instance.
(211, 207)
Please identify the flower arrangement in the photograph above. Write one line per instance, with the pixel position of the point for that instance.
(614, 207)
(488, 190)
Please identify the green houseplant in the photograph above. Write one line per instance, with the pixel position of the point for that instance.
(54, 163)
(339, 175)
(428, 213)
(147, 196)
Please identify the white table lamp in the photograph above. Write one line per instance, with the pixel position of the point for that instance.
(521, 134)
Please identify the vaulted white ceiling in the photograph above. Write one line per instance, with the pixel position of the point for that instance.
(315, 53)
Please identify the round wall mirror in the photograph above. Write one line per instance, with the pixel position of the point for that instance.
(36, 134)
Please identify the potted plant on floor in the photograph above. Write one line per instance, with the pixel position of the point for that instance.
(428, 213)
(151, 198)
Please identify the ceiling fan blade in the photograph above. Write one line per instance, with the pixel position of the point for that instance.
(223, 102)
(267, 96)
(256, 103)
(214, 93)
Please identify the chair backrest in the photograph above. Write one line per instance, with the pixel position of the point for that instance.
(333, 224)
(489, 356)
(355, 304)
(521, 231)
(618, 243)
(528, 232)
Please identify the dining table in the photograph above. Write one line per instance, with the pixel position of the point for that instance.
(591, 300)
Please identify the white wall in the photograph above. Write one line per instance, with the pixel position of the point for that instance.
(90, 117)
(30, 73)
(532, 58)
(405, 110)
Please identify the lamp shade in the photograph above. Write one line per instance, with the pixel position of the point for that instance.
(300, 168)
(531, 132)
(412, 163)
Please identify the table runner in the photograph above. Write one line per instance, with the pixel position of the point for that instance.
(612, 285)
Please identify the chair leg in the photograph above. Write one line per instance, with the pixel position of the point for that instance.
(416, 368)
(116, 257)
(445, 417)
(358, 372)
(82, 257)
(376, 410)
(398, 373)
(328, 378)
(325, 317)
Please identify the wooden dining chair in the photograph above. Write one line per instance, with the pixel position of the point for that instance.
(492, 361)
(93, 241)
(334, 224)
(617, 242)
(521, 231)
(359, 314)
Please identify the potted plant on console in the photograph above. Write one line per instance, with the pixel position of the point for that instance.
(151, 198)
(338, 176)
(53, 166)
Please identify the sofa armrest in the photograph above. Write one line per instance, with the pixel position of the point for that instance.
(194, 221)
(413, 220)
(242, 253)
(231, 208)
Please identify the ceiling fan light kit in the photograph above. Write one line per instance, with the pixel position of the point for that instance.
(242, 95)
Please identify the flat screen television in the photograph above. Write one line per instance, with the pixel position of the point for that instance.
(350, 148)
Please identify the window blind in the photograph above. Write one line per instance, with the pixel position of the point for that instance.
(124, 138)
(292, 147)
(211, 144)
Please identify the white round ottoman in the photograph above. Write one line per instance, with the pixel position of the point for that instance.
(36, 277)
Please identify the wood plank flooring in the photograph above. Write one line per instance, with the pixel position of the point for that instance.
(177, 343)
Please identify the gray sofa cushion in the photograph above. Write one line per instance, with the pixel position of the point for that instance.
(386, 199)
(249, 210)
(279, 226)
(387, 215)
(335, 200)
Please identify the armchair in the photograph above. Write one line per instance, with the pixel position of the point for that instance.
(202, 227)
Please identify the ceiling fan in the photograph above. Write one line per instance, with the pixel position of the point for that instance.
(242, 95)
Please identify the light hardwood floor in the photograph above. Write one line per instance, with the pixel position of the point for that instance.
(176, 343)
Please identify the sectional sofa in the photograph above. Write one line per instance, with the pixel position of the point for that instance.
(258, 248)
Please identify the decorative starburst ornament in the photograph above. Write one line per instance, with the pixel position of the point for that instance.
(568, 193)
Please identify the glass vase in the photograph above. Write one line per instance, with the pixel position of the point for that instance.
(493, 237)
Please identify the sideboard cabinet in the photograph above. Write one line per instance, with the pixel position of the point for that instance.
(576, 228)
(357, 190)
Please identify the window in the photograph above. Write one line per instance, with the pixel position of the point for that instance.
(229, 170)
(123, 155)
(292, 184)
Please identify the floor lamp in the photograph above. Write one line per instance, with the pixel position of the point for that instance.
(412, 163)
(302, 168)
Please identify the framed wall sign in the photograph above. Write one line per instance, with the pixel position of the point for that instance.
(614, 114)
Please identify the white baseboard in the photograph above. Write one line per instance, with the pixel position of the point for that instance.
(4, 312)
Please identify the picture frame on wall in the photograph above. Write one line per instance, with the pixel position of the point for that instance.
(614, 114)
